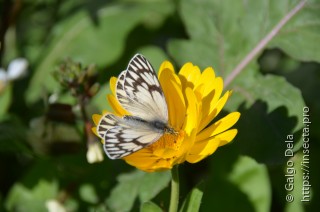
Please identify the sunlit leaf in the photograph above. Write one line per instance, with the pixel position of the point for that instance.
(150, 207)
(193, 200)
(222, 35)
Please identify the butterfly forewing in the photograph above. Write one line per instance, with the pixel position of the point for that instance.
(143, 88)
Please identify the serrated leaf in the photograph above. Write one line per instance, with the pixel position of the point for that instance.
(253, 180)
(150, 207)
(274, 103)
(275, 90)
(102, 44)
(193, 200)
(222, 35)
(301, 36)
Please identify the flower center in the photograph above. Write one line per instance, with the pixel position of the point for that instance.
(168, 145)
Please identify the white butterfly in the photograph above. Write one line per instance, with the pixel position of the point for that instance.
(139, 92)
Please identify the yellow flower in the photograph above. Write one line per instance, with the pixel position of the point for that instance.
(194, 100)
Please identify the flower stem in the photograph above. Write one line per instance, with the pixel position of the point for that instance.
(174, 200)
(263, 42)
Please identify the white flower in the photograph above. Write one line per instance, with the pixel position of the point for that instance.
(17, 68)
(55, 206)
(94, 152)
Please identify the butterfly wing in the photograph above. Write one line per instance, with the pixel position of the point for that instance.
(122, 138)
(139, 91)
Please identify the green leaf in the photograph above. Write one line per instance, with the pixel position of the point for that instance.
(273, 102)
(237, 179)
(222, 35)
(277, 92)
(88, 193)
(102, 44)
(226, 34)
(298, 38)
(136, 184)
(150, 207)
(152, 184)
(193, 200)
(299, 177)
(252, 179)
(125, 192)
(22, 198)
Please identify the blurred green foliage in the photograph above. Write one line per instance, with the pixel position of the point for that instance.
(43, 134)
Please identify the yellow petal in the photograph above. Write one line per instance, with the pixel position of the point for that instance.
(198, 91)
(212, 109)
(227, 136)
(117, 108)
(94, 130)
(174, 98)
(96, 118)
(207, 79)
(165, 65)
(112, 84)
(142, 158)
(202, 150)
(192, 109)
(162, 165)
(189, 75)
(185, 69)
(190, 124)
(219, 126)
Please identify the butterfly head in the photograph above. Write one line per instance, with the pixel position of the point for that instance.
(170, 130)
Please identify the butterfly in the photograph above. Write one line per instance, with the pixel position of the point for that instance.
(139, 92)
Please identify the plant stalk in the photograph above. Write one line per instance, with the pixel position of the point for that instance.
(174, 199)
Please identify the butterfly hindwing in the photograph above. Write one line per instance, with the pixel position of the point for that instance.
(125, 137)
(106, 122)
